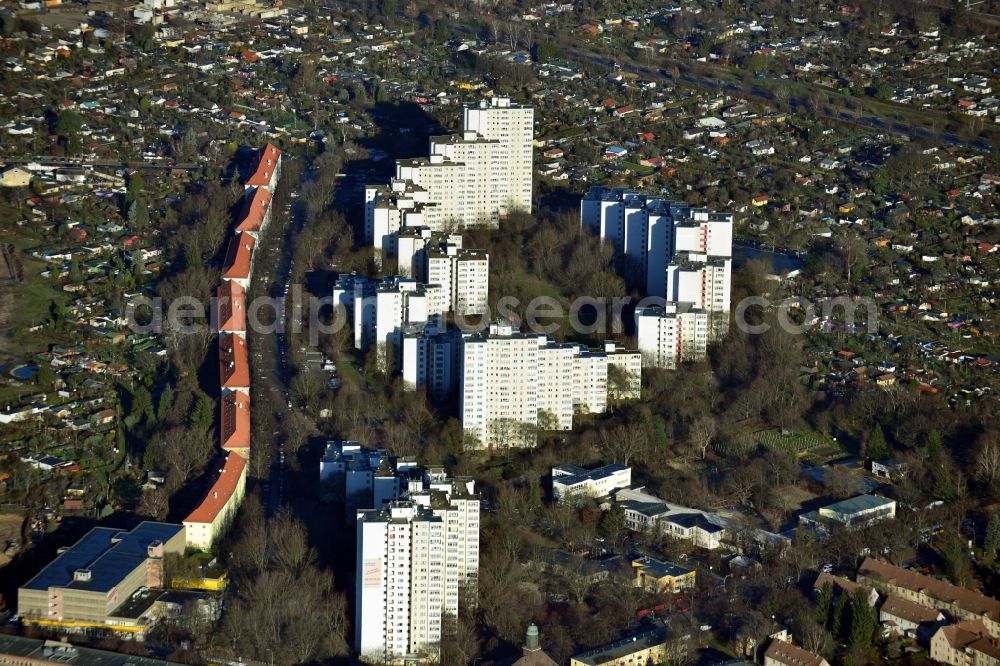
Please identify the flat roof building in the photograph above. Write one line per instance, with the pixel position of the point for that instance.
(649, 647)
(88, 584)
(23, 651)
(572, 481)
(854, 512)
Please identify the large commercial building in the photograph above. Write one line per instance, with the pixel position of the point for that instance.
(415, 559)
(475, 177)
(671, 334)
(513, 384)
(91, 584)
(24, 651)
(668, 248)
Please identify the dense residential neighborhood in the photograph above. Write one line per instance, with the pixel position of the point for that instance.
(499, 332)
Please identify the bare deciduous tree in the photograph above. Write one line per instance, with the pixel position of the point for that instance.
(622, 443)
(987, 463)
(701, 433)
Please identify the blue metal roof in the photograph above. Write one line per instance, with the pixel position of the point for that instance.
(109, 554)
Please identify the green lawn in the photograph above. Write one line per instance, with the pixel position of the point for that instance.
(638, 168)
(29, 303)
(570, 132)
(349, 373)
(536, 285)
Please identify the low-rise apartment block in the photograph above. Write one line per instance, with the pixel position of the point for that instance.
(781, 653)
(649, 647)
(906, 618)
(958, 602)
(212, 517)
(967, 643)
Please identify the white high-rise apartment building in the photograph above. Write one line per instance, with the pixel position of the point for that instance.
(409, 247)
(365, 478)
(513, 384)
(555, 379)
(705, 282)
(512, 125)
(432, 357)
(414, 560)
(380, 310)
(672, 334)
(499, 393)
(438, 258)
(398, 612)
(471, 178)
(457, 504)
(391, 208)
(674, 251)
(465, 277)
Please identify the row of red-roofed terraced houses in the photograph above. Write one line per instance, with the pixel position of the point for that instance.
(207, 521)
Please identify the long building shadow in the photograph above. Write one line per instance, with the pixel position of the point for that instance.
(403, 130)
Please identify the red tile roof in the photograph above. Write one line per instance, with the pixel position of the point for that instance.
(221, 491)
(908, 610)
(943, 591)
(266, 163)
(235, 421)
(231, 307)
(971, 635)
(238, 257)
(786, 653)
(234, 363)
(253, 215)
(848, 586)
